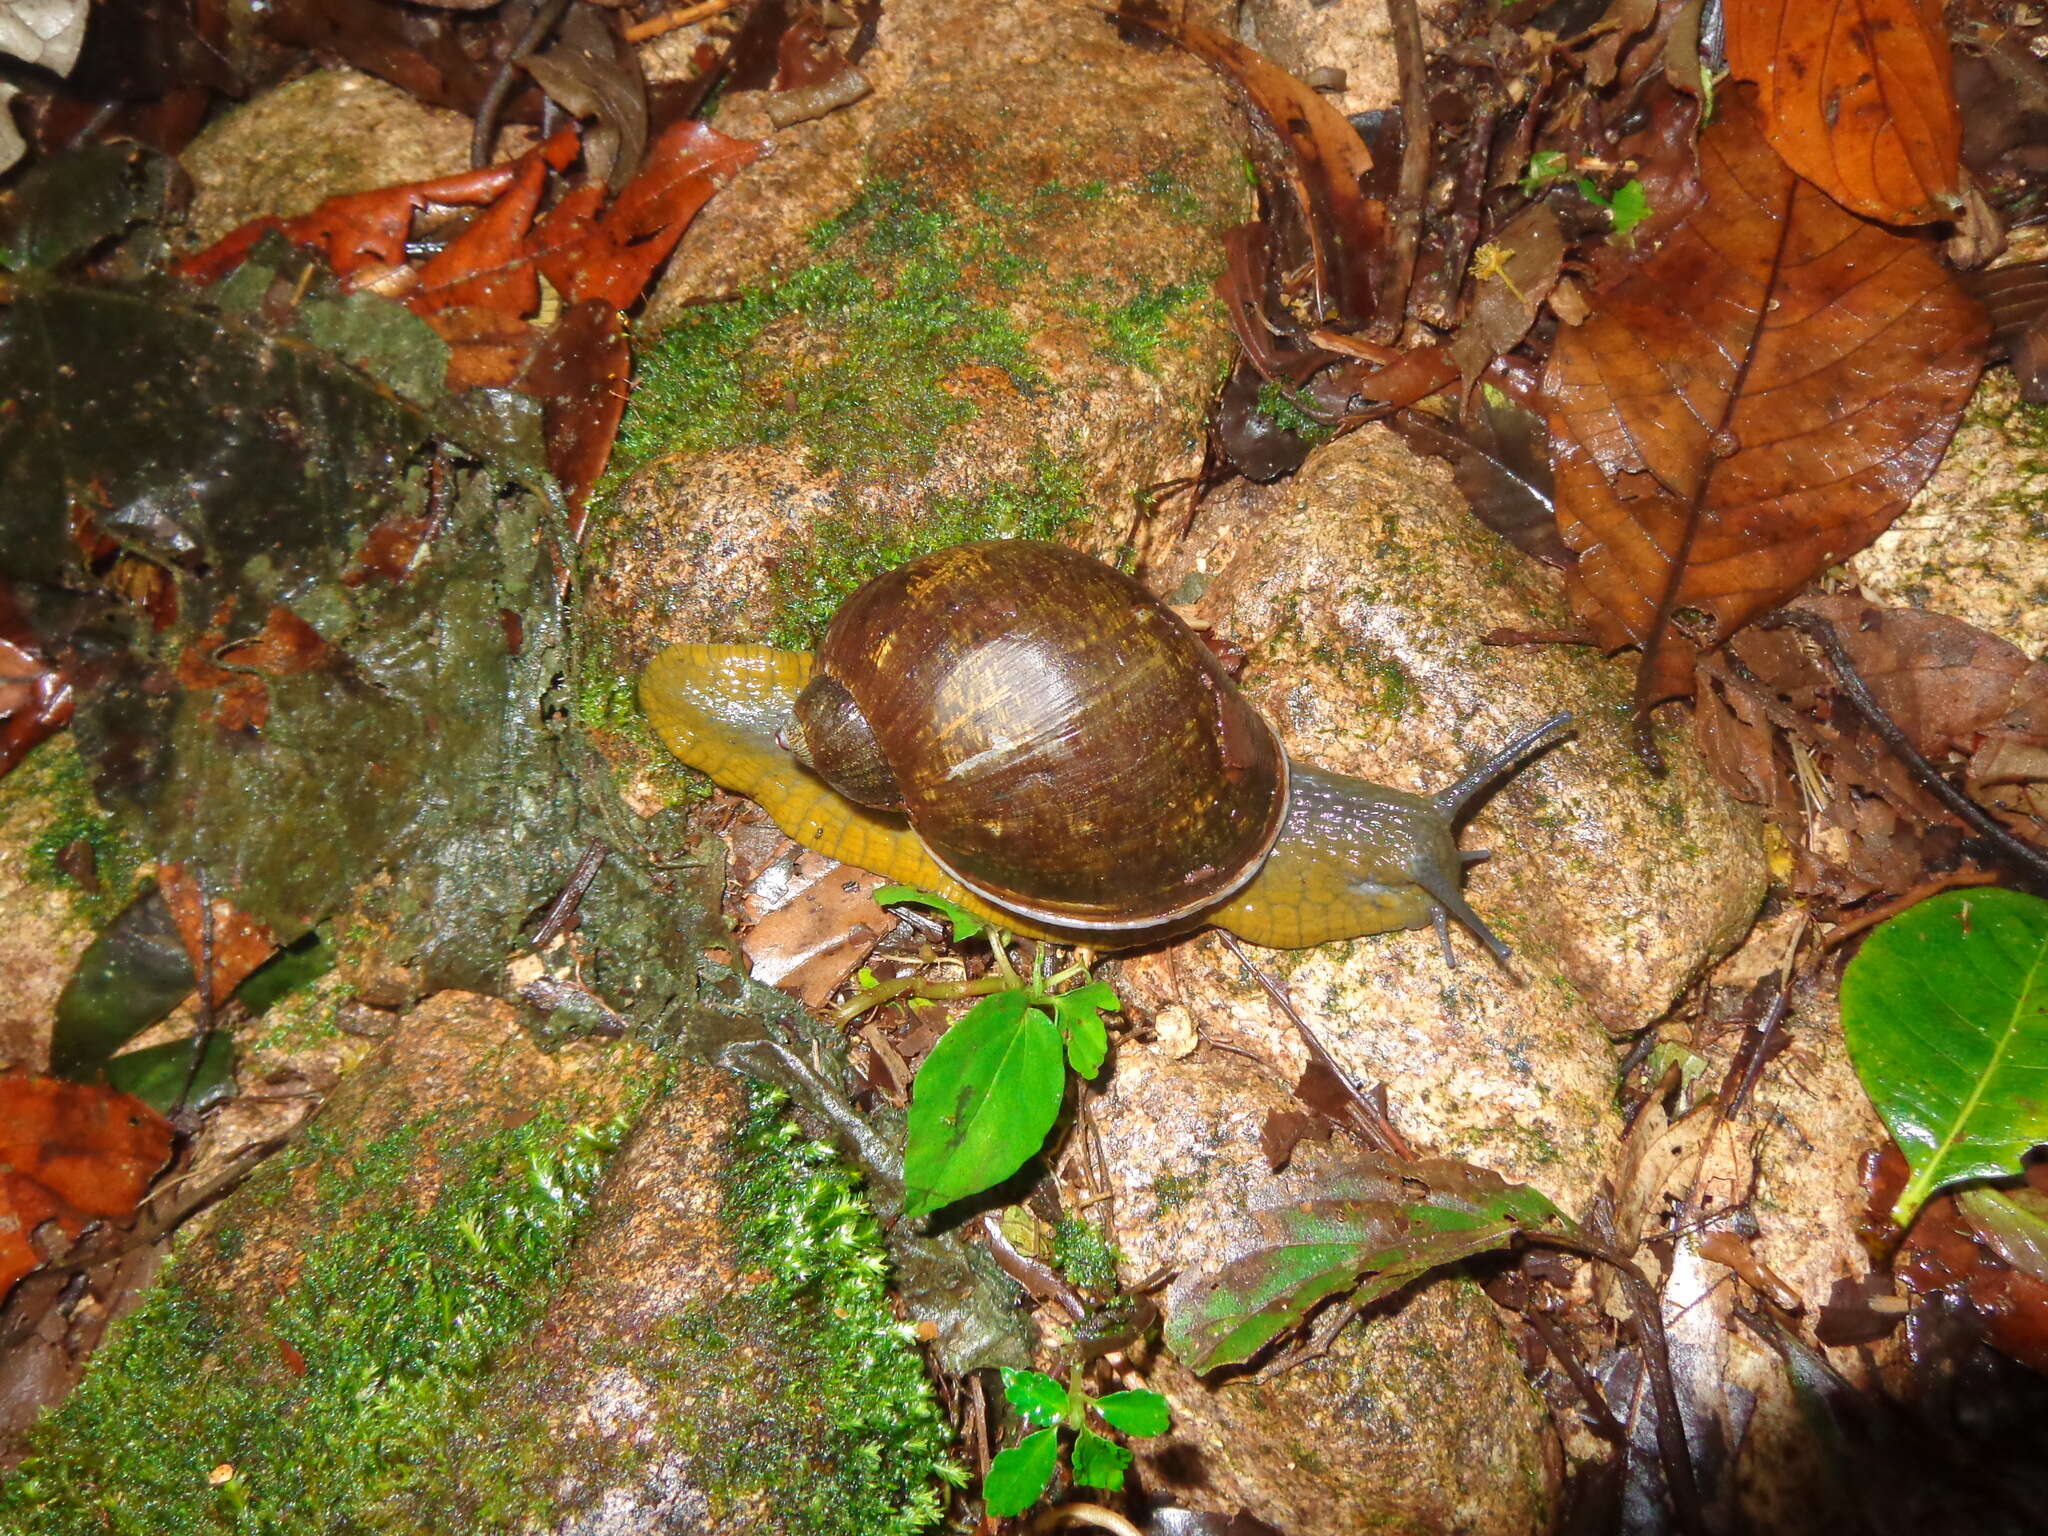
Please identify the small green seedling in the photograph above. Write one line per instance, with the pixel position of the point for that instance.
(965, 924)
(1627, 208)
(1545, 166)
(1018, 1477)
(988, 1094)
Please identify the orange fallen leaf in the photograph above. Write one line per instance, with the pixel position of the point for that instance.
(1756, 402)
(239, 942)
(70, 1153)
(1858, 98)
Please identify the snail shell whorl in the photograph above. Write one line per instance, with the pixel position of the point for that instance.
(1060, 740)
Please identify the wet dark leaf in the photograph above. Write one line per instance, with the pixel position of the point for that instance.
(164, 1077)
(593, 72)
(1713, 456)
(2016, 298)
(129, 977)
(1857, 98)
(61, 209)
(1500, 457)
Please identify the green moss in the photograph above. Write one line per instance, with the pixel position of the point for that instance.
(351, 1403)
(1135, 330)
(1173, 1191)
(53, 787)
(1084, 1256)
(1178, 197)
(894, 310)
(842, 553)
(1286, 409)
(843, 1437)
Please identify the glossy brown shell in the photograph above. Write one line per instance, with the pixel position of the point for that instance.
(1063, 743)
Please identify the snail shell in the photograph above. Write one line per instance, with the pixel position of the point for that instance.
(1063, 744)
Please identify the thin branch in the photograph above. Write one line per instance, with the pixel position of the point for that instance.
(1372, 1124)
(1857, 692)
(1415, 144)
(669, 21)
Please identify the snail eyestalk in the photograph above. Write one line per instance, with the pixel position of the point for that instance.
(1472, 786)
(1457, 800)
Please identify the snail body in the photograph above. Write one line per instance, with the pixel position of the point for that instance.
(1031, 734)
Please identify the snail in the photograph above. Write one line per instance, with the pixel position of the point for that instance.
(1033, 735)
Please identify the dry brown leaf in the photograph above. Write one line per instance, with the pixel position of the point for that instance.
(1756, 402)
(1858, 98)
(1324, 164)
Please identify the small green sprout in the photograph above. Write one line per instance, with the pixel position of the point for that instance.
(1018, 1477)
(1627, 208)
(1545, 166)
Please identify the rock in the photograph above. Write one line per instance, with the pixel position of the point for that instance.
(1044, 98)
(321, 1334)
(1418, 1419)
(1361, 591)
(680, 1383)
(1974, 542)
(324, 134)
(1355, 36)
(1009, 330)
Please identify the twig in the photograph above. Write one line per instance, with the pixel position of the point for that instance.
(1871, 917)
(1822, 633)
(669, 21)
(1415, 137)
(1562, 1350)
(1040, 1280)
(1755, 1051)
(485, 135)
(1647, 1312)
(1374, 1126)
(564, 906)
(1095, 1515)
(202, 1036)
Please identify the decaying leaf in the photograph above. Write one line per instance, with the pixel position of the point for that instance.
(1857, 98)
(1369, 1230)
(70, 1153)
(1758, 401)
(2016, 298)
(35, 695)
(1776, 727)
(1309, 148)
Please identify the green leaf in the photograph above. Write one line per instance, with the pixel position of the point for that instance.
(1592, 194)
(1545, 166)
(1631, 205)
(1372, 1231)
(1018, 1476)
(129, 977)
(1036, 1396)
(1945, 1011)
(965, 924)
(1135, 1413)
(163, 1075)
(1099, 1463)
(1079, 1016)
(982, 1103)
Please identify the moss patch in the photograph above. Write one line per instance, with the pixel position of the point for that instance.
(351, 1403)
(838, 1432)
(1084, 1256)
(900, 302)
(844, 552)
(52, 785)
